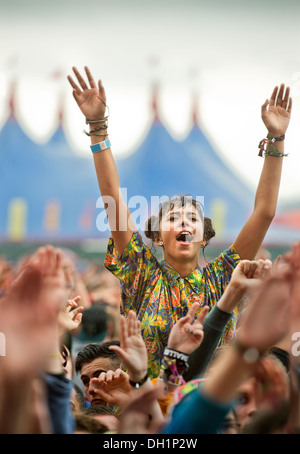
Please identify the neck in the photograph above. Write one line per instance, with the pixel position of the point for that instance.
(183, 268)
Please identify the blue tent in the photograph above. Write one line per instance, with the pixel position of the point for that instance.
(162, 166)
(46, 191)
(228, 200)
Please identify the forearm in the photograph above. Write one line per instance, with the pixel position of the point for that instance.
(117, 212)
(213, 328)
(227, 375)
(268, 187)
(154, 409)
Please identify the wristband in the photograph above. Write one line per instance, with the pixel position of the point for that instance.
(139, 383)
(100, 146)
(273, 152)
(175, 354)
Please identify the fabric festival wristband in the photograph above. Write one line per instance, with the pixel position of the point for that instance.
(100, 146)
(170, 353)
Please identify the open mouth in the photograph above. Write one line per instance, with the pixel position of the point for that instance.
(98, 402)
(185, 237)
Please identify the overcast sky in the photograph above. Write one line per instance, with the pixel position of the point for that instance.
(232, 53)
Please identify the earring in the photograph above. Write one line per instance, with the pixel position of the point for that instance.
(161, 243)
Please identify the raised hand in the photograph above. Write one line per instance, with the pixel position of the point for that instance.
(249, 274)
(266, 319)
(293, 259)
(187, 334)
(277, 117)
(132, 351)
(113, 387)
(135, 416)
(91, 100)
(70, 316)
(29, 310)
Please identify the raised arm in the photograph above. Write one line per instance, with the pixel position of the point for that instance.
(92, 102)
(276, 118)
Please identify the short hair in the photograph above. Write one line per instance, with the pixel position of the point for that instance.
(101, 410)
(94, 351)
(79, 396)
(88, 423)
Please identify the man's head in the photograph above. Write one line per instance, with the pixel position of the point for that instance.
(267, 390)
(91, 361)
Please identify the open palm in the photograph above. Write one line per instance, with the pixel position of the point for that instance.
(277, 116)
(132, 351)
(91, 100)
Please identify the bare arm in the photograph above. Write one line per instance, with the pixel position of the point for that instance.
(92, 103)
(276, 119)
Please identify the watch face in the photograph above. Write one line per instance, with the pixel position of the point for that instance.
(251, 355)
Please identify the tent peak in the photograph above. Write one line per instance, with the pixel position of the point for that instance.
(155, 89)
(12, 96)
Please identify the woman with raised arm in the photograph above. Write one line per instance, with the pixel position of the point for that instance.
(161, 292)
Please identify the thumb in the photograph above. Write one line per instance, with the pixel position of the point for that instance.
(119, 351)
(264, 106)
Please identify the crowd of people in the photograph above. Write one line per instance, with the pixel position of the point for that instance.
(138, 345)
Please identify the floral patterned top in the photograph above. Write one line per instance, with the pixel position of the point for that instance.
(160, 296)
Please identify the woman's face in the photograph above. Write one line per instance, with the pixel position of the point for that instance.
(181, 231)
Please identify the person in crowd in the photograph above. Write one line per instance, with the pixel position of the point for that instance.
(106, 415)
(98, 360)
(29, 314)
(161, 292)
(245, 368)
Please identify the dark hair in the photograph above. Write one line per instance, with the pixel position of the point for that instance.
(89, 424)
(152, 224)
(79, 396)
(94, 351)
(101, 410)
(94, 320)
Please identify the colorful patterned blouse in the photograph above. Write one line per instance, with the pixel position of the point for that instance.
(160, 297)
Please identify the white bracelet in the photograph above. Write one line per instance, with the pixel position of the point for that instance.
(100, 146)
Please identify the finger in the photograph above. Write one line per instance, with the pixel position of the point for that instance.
(80, 79)
(131, 324)
(264, 106)
(102, 377)
(70, 304)
(273, 96)
(196, 332)
(50, 259)
(193, 310)
(280, 95)
(77, 311)
(123, 332)
(90, 77)
(117, 373)
(76, 96)
(57, 260)
(119, 351)
(76, 298)
(109, 376)
(203, 314)
(286, 98)
(102, 91)
(289, 107)
(277, 261)
(74, 85)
